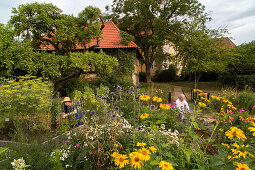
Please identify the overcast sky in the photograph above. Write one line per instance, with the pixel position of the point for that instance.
(238, 16)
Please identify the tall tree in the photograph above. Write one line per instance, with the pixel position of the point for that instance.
(45, 24)
(152, 22)
(202, 49)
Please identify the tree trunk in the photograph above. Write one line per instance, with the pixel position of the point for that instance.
(60, 83)
(148, 71)
(197, 75)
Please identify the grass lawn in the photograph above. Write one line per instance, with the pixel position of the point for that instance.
(203, 85)
(158, 89)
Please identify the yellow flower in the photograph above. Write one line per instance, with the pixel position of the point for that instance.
(166, 165)
(152, 149)
(136, 160)
(164, 106)
(221, 130)
(141, 144)
(157, 99)
(252, 129)
(241, 166)
(144, 115)
(225, 145)
(115, 154)
(144, 97)
(239, 151)
(121, 160)
(133, 154)
(234, 131)
(201, 104)
(145, 154)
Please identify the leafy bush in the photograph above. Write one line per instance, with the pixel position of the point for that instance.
(240, 82)
(112, 81)
(168, 75)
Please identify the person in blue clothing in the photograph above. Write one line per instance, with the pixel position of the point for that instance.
(69, 110)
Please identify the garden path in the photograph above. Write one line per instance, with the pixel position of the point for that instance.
(207, 118)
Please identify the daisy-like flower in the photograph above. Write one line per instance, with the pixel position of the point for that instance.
(166, 165)
(145, 154)
(121, 160)
(201, 104)
(144, 115)
(133, 154)
(239, 151)
(252, 129)
(141, 144)
(115, 154)
(241, 166)
(152, 149)
(164, 106)
(144, 97)
(234, 131)
(136, 160)
(157, 99)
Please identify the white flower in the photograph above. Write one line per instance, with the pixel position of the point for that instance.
(69, 137)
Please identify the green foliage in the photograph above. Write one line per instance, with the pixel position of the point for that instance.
(168, 75)
(26, 102)
(62, 31)
(152, 22)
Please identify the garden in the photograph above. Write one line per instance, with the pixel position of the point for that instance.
(124, 128)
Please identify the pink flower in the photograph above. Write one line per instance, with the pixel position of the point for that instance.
(126, 133)
(67, 141)
(76, 146)
(253, 107)
(174, 103)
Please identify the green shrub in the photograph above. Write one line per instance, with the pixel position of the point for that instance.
(168, 75)
(245, 101)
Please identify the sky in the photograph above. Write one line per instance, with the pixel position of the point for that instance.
(238, 16)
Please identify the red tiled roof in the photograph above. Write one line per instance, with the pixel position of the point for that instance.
(111, 38)
(227, 42)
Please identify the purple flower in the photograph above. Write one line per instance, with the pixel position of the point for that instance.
(99, 115)
(127, 91)
(103, 97)
(139, 128)
(82, 99)
(93, 112)
(119, 88)
(99, 97)
(137, 87)
(132, 88)
(117, 108)
(112, 93)
(152, 107)
(84, 112)
(78, 103)
(76, 146)
(113, 116)
(138, 95)
(106, 93)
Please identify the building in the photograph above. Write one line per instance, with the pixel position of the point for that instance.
(111, 40)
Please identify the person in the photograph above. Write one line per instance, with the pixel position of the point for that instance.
(182, 105)
(69, 110)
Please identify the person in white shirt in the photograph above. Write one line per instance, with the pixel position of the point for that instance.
(182, 105)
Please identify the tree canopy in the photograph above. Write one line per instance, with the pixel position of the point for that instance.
(151, 22)
(34, 21)
(44, 23)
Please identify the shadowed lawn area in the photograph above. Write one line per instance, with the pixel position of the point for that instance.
(158, 89)
(203, 85)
